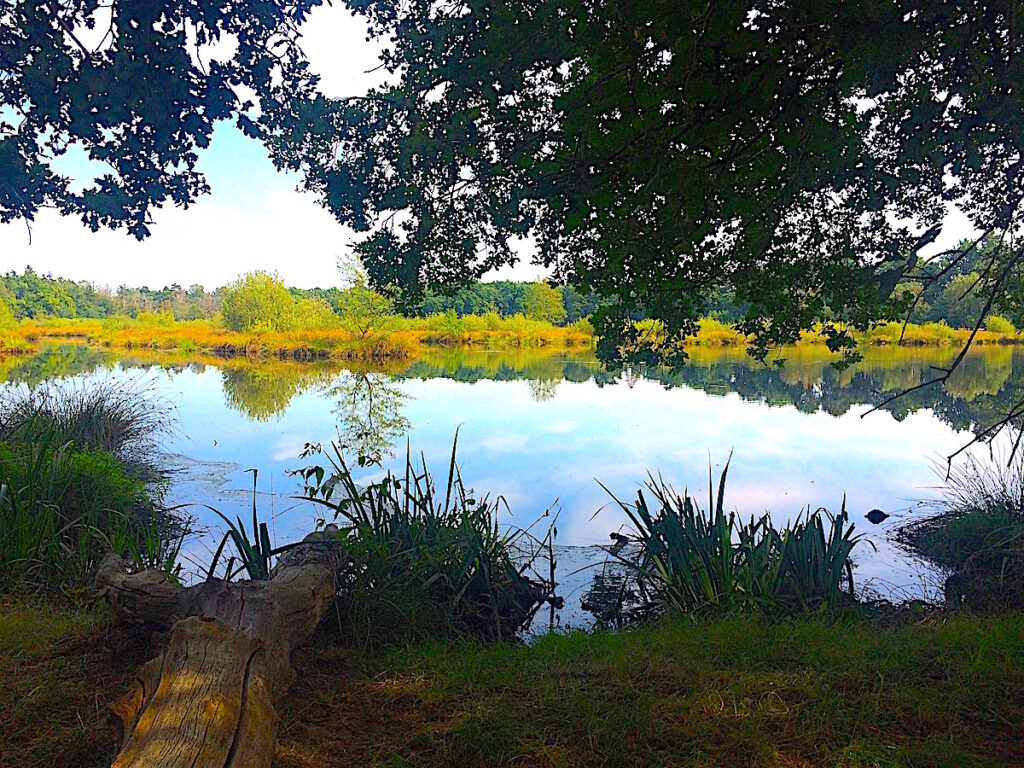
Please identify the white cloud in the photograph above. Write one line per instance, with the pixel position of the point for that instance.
(211, 243)
(334, 40)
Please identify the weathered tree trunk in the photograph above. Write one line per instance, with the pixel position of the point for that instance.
(208, 700)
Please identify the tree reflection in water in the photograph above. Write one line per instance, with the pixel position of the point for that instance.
(369, 409)
(369, 402)
(264, 392)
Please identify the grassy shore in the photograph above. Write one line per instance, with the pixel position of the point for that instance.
(407, 337)
(977, 534)
(855, 690)
(713, 333)
(401, 337)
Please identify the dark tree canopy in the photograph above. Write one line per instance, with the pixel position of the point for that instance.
(798, 153)
(131, 83)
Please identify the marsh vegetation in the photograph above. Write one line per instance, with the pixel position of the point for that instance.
(79, 477)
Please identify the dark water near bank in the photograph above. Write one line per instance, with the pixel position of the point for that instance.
(540, 428)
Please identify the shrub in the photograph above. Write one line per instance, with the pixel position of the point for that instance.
(117, 323)
(448, 325)
(315, 314)
(162, 319)
(258, 302)
(582, 326)
(999, 324)
(7, 319)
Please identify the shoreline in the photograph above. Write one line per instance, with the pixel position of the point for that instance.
(211, 340)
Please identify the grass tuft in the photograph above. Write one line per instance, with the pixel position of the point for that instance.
(690, 560)
(421, 561)
(978, 534)
(77, 480)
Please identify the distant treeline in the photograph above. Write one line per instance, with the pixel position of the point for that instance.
(31, 295)
(558, 305)
(955, 297)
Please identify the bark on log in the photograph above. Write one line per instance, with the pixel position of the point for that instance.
(208, 700)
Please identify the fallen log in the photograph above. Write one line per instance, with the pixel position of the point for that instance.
(208, 700)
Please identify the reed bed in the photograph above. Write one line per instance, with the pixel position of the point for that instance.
(688, 560)
(421, 561)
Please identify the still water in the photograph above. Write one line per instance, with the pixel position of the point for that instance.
(540, 429)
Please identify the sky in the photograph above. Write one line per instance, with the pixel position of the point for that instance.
(254, 218)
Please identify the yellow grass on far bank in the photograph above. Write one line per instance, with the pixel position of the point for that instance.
(713, 333)
(401, 338)
(406, 337)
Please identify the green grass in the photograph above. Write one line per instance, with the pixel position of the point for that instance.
(860, 690)
(731, 691)
(76, 482)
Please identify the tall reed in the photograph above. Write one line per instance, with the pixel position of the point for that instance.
(421, 562)
(689, 559)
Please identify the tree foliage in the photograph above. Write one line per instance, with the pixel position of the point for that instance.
(544, 303)
(799, 154)
(258, 302)
(135, 88)
(796, 154)
(364, 311)
(6, 315)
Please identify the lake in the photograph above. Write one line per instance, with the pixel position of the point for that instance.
(540, 429)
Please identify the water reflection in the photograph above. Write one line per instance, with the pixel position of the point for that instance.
(539, 425)
(264, 392)
(369, 409)
(987, 381)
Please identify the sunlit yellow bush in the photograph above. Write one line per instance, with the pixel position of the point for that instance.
(999, 324)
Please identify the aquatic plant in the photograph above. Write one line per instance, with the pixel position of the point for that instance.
(977, 532)
(255, 555)
(421, 563)
(688, 559)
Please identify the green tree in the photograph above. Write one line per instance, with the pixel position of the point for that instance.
(961, 302)
(661, 150)
(578, 305)
(258, 301)
(364, 311)
(545, 303)
(7, 319)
